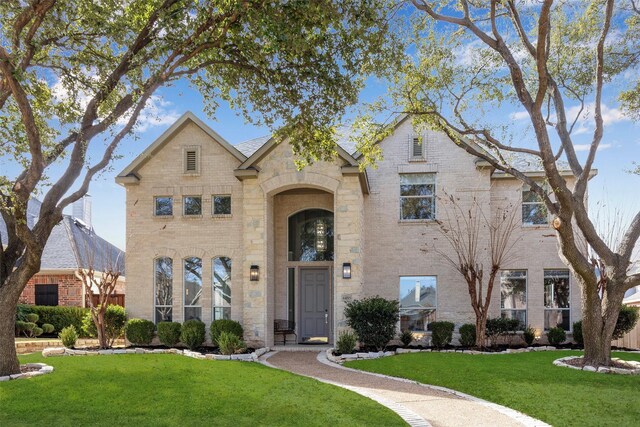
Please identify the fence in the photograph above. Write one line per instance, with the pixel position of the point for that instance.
(117, 299)
(630, 340)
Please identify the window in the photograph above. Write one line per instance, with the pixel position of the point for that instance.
(221, 204)
(417, 148)
(163, 278)
(557, 308)
(163, 206)
(417, 196)
(513, 295)
(192, 160)
(311, 236)
(192, 205)
(192, 288)
(534, 211)
(291, 294)
(417, 303)
(221, 288)
(47, 294)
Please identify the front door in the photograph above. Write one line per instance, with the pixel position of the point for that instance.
(314, 304)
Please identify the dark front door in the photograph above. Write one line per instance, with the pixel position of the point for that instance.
(314, 303)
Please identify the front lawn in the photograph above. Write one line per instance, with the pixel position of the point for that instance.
(527, 382)
(167, 390)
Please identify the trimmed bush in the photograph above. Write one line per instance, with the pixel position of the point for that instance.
(69, 336)
(140, 331)
(169, 333)
(115, 320)
(37, 331)
(556, 336)
(577, 333)
(192, 335)
(441, 334)
(468, 335)
(627, 320)
(406, 337)
(529, 335)
(225, 325)
(373, 320)
(21, 326)
(59, 317)
(346, 343)
(48, 328)
(230, 343)
(32, 317)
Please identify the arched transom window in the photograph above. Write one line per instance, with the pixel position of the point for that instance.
(311, 236)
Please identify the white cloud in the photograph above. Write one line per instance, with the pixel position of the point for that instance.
(519, 115)
(587, 147)
(157, 112)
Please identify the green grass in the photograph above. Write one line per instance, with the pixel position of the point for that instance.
(168, 390)
(527, 382)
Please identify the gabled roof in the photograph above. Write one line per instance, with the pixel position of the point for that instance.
(128, 175)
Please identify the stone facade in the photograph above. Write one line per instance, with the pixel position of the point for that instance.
(266, 189)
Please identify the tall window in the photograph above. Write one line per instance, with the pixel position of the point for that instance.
(417, 196)
(417, 302)
(513, 295)
(192, 205)
(534, 211)
(192, 288)
(557, 306)
(221, 288)
(291, 294)
(163, 206)
(311, 236)
(163, 283)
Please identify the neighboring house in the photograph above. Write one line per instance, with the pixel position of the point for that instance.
(73, 245)
(222, 231)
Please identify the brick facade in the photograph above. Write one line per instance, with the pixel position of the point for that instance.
(70, 288)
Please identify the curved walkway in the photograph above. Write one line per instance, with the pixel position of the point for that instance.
(417, 404)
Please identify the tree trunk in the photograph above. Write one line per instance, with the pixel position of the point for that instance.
(481, 326)
(8, 358)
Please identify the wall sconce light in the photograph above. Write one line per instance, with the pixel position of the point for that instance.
(346, 270)
(254, 273)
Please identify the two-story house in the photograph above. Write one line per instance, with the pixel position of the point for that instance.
(222, 231)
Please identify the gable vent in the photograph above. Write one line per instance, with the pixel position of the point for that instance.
(191, 161)
(416, 147)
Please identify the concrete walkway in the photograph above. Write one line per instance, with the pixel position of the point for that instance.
(417, 404)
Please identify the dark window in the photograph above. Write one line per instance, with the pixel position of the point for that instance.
(417, 196)
(46, 294)
(222, 205)
(192, 205)
(164, 206)
(311, 236)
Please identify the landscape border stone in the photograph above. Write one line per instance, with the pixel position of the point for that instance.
(42, 370)
(63, 351)
(602, 369)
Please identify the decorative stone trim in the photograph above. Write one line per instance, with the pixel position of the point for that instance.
(63, 351)
(42, 369)
(634, 367)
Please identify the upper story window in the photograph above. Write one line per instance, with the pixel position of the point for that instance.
(192, 205)
(416, 148)
(191, 160)
(163, 206)
(534, 211)
(311, 236)
(221, 204)
(418, 196)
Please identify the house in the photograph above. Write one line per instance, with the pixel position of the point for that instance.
(216, 230)
(73, 245)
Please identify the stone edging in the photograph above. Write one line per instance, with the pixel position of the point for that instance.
(518, 416)
(42, 369)
(376, 355)
(601, 369)
(63, 351)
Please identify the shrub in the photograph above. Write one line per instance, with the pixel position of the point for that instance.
(59, 317)
(346, 343)
(577, 333)
(225, 325)
(627, 320)
(115, 320)
(230, 343)
(140, 331)
(21, 327)
(37, 331)
(529, 335)
(169, 333)
(69, 336)
(48, 328)
(556, 336)
(32, 317)
(373, 320)
(500, 327)
(192, 334)
(468, 335)
(406, 337)
(441, 334)
(28, 329)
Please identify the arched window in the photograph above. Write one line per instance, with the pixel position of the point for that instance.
(192, 268)
(221, 288)
(311, 236)
(163, 284)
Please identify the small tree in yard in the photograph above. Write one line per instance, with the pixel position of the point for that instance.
(477, 241)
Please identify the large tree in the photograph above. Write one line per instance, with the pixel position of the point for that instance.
(469, 62)
(75, 76)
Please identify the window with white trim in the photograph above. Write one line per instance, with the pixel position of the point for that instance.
(418, 196)
(221, 288)
(513, 295)
(221, 204)
(534, 211)
(192, 205)
(163, 285)
(192, 273)
(557, 295)
(163, 206)
(418, 301)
